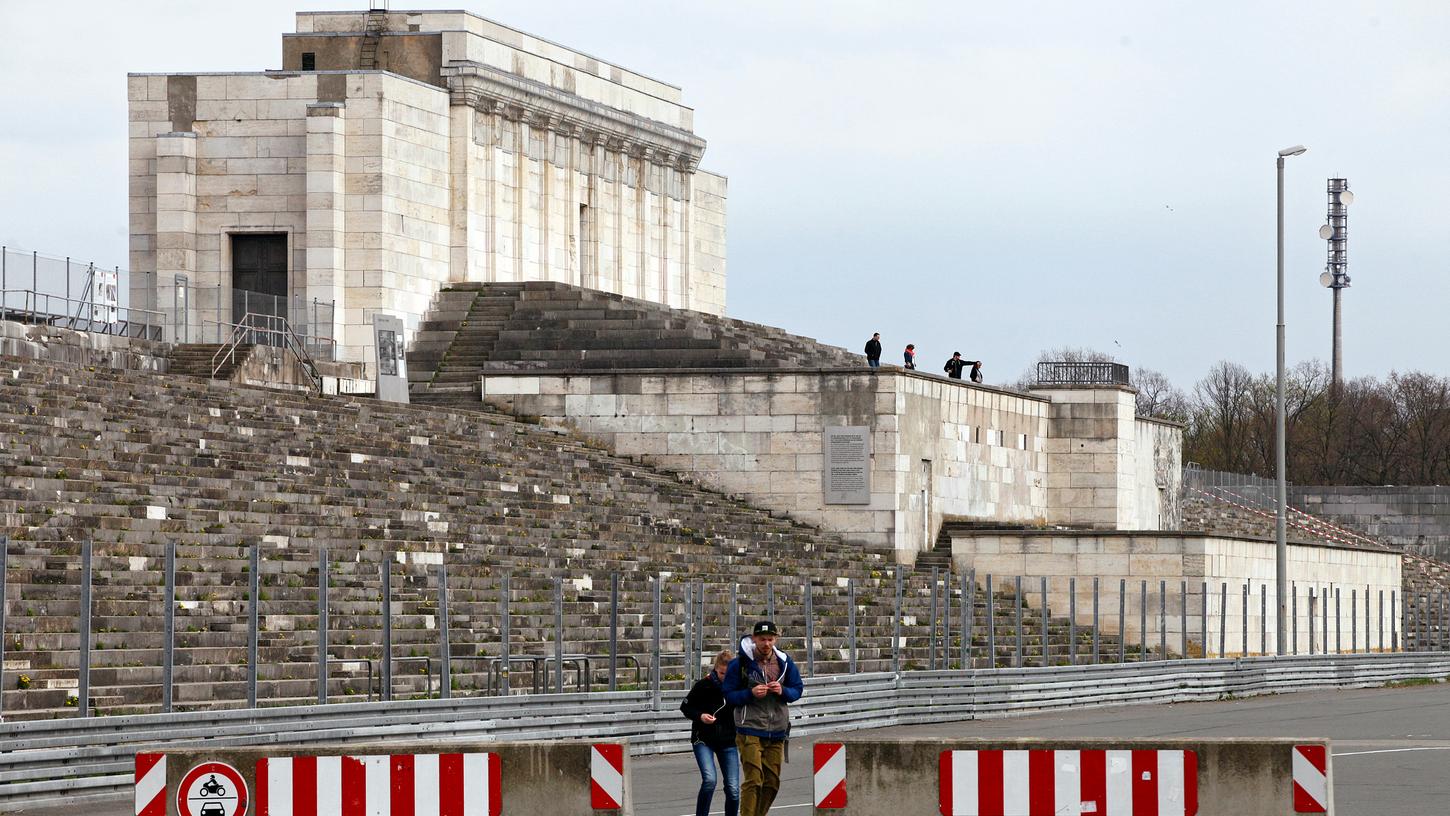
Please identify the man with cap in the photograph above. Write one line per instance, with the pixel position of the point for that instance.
(761, 684)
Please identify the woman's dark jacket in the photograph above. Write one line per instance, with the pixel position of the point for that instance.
(707, 698)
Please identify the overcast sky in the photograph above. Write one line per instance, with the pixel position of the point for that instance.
(995, 178)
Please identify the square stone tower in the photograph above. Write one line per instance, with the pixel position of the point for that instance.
(397, 152)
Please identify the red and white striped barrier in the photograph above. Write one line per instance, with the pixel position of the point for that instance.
(829, 778)
(1049, 782)
(150, 785)
(381, 785)
(606, 776)
(1311, 779)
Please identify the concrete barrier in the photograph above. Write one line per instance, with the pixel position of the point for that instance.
(557, 778)
(1036, 777)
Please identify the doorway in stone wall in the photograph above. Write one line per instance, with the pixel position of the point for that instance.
(259, 274)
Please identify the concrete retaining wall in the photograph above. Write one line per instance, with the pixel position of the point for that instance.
(1195, 558)
(58, 345)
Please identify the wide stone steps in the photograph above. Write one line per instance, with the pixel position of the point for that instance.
(132, 461)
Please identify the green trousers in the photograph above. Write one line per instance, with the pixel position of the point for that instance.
(760, 761)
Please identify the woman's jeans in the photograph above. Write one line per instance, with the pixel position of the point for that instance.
(730, 764)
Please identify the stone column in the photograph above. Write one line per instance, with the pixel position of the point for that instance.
(176, 228)
(325, 275)
(1091, 455)
(464, 176)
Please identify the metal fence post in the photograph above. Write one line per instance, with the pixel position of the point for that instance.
(734, 614)
(387, 667)
(851, 619)
(700, 627)
(969, 610)
(168, 627)
(614, 630)
(1097, 623)
(991, 627)
(1222, 619)
(931, 642)
(559, 635)
(896, 627)
(322, 624)
(1142, 621)
(1017, 585)
(254, 603)
(1162, 619)
(1368, 623)
(1072, 621)
(1338, 625)
(688, 630)
(1122, 620)
(1183, 616)
(445, 660)
(1394, 621)
(655, 656)
(1203, 615)
(1380, 621)
(1324, 611)
(810, 628)
(1263, 619)
(770, 600)
(1046, 648)
(505, 634)
(1244, 646)
(946, 620)
(4, 556)
(83, 692)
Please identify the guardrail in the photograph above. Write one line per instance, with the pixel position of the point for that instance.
(52, 760)
(1059, 373)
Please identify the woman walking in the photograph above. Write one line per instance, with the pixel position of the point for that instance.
(712, 736)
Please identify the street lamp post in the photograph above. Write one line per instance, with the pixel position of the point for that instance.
(1281, 546)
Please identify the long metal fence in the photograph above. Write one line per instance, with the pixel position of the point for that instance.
(62, 291)
(471, 630)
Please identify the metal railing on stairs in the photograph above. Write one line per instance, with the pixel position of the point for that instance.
(265, 330)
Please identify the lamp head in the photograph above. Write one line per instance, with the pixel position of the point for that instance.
(1292, 151)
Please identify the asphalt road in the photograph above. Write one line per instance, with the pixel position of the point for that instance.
(1391, 746)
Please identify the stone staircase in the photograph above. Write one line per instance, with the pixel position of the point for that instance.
(195, 359)
(474, 327)
(131, 461)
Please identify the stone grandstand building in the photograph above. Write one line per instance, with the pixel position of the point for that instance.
(395, 153)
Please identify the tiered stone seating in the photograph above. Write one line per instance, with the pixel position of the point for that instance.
(131, 461)
(475, 327)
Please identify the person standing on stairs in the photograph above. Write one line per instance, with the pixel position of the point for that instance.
(761, 683)
(712, 737)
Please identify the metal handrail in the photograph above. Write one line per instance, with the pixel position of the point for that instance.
(32, 308)
(253, 324)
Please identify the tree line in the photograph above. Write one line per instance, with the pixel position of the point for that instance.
(1368, 431)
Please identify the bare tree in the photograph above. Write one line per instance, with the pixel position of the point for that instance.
(1157, 396)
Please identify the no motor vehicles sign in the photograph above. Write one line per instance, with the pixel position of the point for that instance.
(212, 789)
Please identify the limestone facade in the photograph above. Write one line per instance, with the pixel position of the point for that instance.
(1168, 564)
(939, 449)
(469, 152)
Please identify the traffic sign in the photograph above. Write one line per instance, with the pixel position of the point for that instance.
(212, 789)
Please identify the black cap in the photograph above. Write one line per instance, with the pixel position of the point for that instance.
(765, 627)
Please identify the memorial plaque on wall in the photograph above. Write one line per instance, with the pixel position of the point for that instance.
(847, 477)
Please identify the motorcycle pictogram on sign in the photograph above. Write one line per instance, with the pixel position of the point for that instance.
(212, 789)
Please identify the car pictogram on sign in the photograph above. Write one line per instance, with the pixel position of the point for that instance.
(212, 789)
